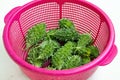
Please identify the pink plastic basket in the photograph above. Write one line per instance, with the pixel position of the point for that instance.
(86, 16)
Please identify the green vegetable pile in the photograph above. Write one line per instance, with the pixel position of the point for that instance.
(61, 48)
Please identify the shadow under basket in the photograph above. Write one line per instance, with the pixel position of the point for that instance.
(86, 17)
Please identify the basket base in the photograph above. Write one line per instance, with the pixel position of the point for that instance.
(40, 76)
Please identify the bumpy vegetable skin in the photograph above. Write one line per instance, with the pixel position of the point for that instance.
(48, 49)
(66, 23)
(60, 48)
(62, 55)
(94, 52)
(33, 55)
(84, 40)
(85, 60)
(66, 35)
(35, 34)
(85, 49)
(42, 52)
(72, 61)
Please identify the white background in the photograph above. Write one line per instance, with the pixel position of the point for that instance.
(10, 71)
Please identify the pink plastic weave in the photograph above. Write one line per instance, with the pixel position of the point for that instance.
(86, 17)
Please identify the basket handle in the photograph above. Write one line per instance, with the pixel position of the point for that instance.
(9, 15)
(110, 56)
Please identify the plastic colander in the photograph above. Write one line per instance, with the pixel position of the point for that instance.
(86, 17)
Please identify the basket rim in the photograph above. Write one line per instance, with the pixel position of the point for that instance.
(85, 67)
